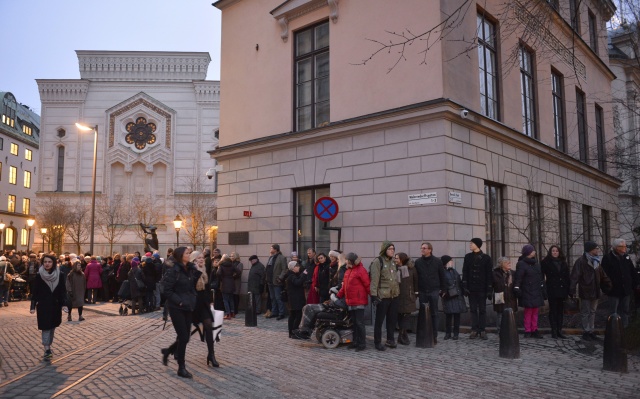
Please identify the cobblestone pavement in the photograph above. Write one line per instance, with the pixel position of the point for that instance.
(109, 357)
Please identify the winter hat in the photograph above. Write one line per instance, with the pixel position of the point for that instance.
(156, 255)
(87, 258)
(477, 241)
(527, 249)
(445, 259)
(352, 257)
(148, 254)
(335, 254)
(294, 253)
(292, 264)
(252, 257)
(136, 259)
(383, 247)
(99, 258)
(590, 246)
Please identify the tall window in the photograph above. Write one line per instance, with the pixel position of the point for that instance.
(24, 236)
(587, 222)
(26, 206)
(14, 149)
(13, 175)
(564, 228)
(574, 14)
(28, 155)
(557, 92)
(494, 220)
(308, 229)
(606, 230)
(600, 139)
(583, 142)
(312, 77)
(487, 50)
(593, 32)
(535, 220)
(10, 237)
(26, 130)
(11, 203)
(528, 92)
(60, 174)
(27, 179)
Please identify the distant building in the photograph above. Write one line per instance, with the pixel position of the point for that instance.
(19, 154)
(156, 117)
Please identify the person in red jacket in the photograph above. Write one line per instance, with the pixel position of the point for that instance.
(355, 290)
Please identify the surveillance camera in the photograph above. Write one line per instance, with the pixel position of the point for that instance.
(464, 113)
(210, 173)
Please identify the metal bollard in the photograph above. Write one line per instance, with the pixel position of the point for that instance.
(614, 356)
(509, 341)
(424, 329)
(250, 318)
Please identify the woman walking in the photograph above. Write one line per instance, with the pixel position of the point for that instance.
(76, 287)
(180, 290)
(453, 303)
(202, 313)
(48, 299)
(408, 278)
(529, 287)
(557, 280)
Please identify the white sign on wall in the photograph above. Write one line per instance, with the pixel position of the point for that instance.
(455, 197)
(423, 199)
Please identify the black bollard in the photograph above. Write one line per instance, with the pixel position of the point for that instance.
(509, 341)
(424, 329)
(614, 356)
(250, 318)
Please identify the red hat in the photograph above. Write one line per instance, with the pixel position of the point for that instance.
(148, 254)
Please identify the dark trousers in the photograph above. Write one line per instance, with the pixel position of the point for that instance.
(79, 310)
(432, 299)
(295, 317)
(478, 307)
(455, 318)
(105, 291)
(359, 331)
(181, 323)
(387, 308)
(150, 298)
(556, 313)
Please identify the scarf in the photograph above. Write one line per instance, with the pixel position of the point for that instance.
(50, 278)
(403, 272)
(594, 259)
(202, 281)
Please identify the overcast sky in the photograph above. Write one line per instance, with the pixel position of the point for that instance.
(39, 37)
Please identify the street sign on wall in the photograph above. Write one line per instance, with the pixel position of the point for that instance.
(326, 209)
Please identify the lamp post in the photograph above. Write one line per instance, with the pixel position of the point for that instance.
(1, 231)
(30, 223)
(177, 223)
(43, 232)
(93, 185)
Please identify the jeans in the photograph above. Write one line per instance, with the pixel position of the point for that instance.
(621, 307)
(478, 307)
(588, 312)
(387, 308)
(278, 305)
(432, 299)
(4, 294)
(556, 313)
(157, 295)
(359, 330)
(530, 319)
(228, 303)
(181, 320)
(47, 337)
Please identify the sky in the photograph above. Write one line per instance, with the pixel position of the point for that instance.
(39, 37)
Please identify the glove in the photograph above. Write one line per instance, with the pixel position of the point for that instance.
(375, 300)
(333, 297)
(334, 290)
(516, 291)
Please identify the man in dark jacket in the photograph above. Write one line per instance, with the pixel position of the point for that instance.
(589, 276)
(309, 268)
(431, 281)
(256, 281)
(279, 264)
(476, 282)
(619, 268)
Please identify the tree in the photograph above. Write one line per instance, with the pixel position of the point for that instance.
(198, 210)
(113, 218)
(54, 215)
(79, 225)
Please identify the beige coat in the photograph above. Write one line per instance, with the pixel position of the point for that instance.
(76, 287)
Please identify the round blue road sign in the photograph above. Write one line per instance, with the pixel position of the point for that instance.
(325, 209)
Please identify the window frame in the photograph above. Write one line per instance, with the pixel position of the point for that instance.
(564, 227)
(492, 47)
(581, 115)
(574, 15)
(495, 226)
(28, 154)
(60, 169)
(11, 205)
(606, 229)
(14, 149)
(601, 154)
(559, 115)
(536, 210)
(314, 242)
(528, 94)
(587, 223)
(27, 179)
(593, 31)
(13, 175)
(24, 237)
(26, 206)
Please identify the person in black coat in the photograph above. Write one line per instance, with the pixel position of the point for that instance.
(557, 280)
(149, 273)
(619, 268)
(431, 281)
(476, 281)
(202, 313)
(180, 290)
(529, 288)
(49, 300)
(137, 293)
(295, 290)
(323, 280)
(256, 282)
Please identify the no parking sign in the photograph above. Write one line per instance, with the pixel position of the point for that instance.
(326, 209)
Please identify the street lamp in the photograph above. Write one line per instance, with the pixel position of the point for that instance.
(93, 185)
(43, 232)
(1, 230)
(177, 223)
(30, 223)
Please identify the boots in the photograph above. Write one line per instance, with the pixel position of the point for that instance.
(69, 317)
(554, 334)
(403, 338)
(211, 357)
(182, 372)
(166, 352)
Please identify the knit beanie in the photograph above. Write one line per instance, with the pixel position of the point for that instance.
(590, 246)
(527, 249)
(383, 248)
(445, 259)
(477, 241)
(292, 264)
(353, 257)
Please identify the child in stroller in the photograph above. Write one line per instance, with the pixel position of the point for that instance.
(330, 320)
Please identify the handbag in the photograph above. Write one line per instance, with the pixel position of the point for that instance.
(140, 284)
(498, 298)
(571, 306)
(452, 292)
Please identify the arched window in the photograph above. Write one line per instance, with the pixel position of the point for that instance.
(60, 173)
(10, 238)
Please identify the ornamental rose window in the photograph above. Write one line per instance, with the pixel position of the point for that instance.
(140, 133)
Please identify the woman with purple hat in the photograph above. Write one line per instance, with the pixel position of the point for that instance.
(529, 288)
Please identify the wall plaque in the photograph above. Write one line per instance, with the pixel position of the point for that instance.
(239, 238)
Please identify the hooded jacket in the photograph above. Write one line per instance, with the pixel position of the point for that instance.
(355, 286)
(384, 277)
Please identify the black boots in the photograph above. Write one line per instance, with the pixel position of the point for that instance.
(403, 338)
(168, 351)
(182, 372)
(211, 357)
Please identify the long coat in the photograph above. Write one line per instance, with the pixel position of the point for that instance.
(589, 280)
(408, 289)
(238, 267)
(455, 304)
(529, 280)
(256, 278)
(502, 283)
(295, 290)
(135, 273)
(47, 304)
(557, 280)
(76, 287)
(227, 282)
(92, 274)
(620, 272)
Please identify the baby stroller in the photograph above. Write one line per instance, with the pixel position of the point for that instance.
(18, 289)
(125, 295)
(333, 327)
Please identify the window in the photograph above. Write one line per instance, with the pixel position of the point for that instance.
(574, 14)
(27, 179)
(488, 67)
(557, 92)
(14, 149)
(564, 219)
(308, 229)
(593, 32)
(494, 220)
(11, 203)
(587, 222)
(0, 171)
(602, 165)
(28, 155)
(24, 237)
(312, 77)
(26, 130)
(606, 230)
(535, 221)
(528, 92)
(583, 143)
(60, 174)
(26, 206)
(13, 175)
(1, 143)
(10, 237)
(61, 132)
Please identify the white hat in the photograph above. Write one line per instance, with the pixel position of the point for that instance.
(292, 264)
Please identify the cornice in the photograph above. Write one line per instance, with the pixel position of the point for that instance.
(57, 90)
(207, 91)
(292, 9)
